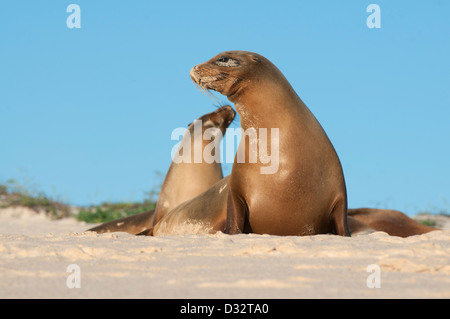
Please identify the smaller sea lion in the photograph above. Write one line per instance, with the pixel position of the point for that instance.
(184, 180)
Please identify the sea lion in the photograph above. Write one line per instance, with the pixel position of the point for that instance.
(393, 222)
(184, 180)
(307, 194)
(190, 178)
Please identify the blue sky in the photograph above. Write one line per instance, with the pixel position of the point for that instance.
(86, 114)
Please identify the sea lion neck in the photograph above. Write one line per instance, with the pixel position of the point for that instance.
(270, 99)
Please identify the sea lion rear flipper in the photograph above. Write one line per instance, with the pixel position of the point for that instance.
(131, 224)
(357, 227)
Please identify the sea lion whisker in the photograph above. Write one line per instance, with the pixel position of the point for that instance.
(207, 93)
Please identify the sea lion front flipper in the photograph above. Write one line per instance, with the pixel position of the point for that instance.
(338, 219)
(236, 213)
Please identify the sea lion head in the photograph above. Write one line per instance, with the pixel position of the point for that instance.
(228, 72)
(220, 118)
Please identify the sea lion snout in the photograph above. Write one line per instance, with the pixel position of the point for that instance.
(209, 77)
(225, 115)
(194, 75)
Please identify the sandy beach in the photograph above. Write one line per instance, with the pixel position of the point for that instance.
(36, 253)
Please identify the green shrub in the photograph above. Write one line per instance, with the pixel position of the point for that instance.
(111, 211)
(428, 222)
(16, 194)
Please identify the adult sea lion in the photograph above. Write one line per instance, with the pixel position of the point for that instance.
(393, 222)
(185, 179)
(307, 194)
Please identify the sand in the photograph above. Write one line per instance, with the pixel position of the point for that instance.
(36, 254)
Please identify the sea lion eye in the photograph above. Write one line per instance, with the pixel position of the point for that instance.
(226, 61)
(223, 59)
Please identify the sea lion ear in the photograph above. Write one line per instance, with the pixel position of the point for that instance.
(255, 58)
